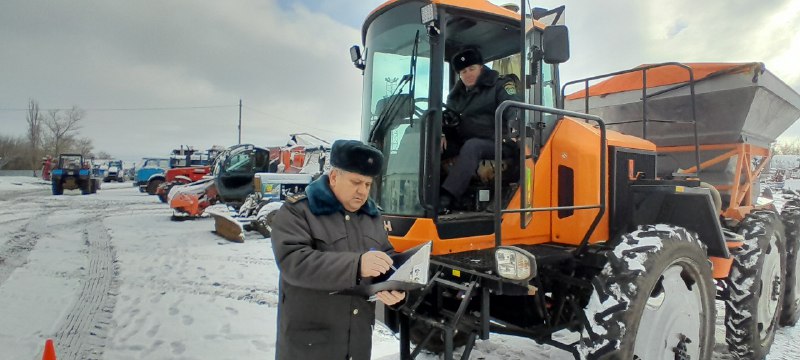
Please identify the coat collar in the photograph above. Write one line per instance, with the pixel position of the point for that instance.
(487, 78)
(321, 200)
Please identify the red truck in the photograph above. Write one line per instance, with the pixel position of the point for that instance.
(181, 176)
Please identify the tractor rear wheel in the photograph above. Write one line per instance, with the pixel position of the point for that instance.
(86, 187)
(654, 299)
(152, 186)
(791, 299)
(755, 286)
(57, 187)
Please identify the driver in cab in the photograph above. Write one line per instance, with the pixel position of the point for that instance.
(469, 121)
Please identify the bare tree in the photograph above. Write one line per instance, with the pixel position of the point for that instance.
(63, 127)
(104, 155)
(84, 147)
(787, 147)
(13, 153)
(34, 132)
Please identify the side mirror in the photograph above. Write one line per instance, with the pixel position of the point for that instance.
(355, 57)
(555, 43)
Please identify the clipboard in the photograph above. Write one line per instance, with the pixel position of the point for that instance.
(411, 274)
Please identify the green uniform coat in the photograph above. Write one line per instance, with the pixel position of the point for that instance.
(477, 105)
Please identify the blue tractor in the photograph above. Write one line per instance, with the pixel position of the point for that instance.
(148, 175)
(71, 173)
(115, 171)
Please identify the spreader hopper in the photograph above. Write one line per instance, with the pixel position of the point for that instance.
(740, 109)
(735, 103)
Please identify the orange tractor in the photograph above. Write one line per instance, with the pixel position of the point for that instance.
(619, 213)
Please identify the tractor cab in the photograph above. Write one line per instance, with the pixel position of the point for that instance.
(70, 161)
(407, 78)
(234, 169)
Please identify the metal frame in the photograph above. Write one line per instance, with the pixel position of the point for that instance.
(646, 96)
(478, 287)
(741, 187)
(524, 209)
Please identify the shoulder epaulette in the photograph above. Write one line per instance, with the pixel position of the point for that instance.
(296, 197)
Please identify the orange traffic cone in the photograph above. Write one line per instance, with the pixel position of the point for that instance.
(49, 350)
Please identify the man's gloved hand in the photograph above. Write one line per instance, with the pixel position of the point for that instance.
(375, 263)
(450, 118)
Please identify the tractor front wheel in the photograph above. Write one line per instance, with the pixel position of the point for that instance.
(654, 299)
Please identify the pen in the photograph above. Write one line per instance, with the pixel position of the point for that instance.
(391, 266)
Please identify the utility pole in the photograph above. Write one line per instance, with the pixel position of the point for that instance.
(240, 121)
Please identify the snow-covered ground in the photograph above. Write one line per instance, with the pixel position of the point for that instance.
(109, 276)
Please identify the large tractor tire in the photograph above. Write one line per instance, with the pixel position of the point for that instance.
(96, 186)
(152, 186)
(654, 299)
(791, 298)
(755, 286)
(57, 187)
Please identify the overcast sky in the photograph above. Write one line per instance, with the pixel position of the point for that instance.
(288, 61)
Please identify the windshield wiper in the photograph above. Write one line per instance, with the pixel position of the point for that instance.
(413, 72)
(390, 110)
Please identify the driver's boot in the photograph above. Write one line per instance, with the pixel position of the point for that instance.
(446, 202)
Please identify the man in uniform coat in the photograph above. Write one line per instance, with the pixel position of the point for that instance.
(473, 101)
(331, 238)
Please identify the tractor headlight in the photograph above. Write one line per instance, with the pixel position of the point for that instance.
(428, 13)
(514, 263)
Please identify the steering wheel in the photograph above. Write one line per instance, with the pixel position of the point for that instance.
(418, 111)
(450, 117)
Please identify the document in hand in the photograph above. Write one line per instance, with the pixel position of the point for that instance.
(412, 273)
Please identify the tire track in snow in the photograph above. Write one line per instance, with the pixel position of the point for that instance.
(84, 330)
(14, 252)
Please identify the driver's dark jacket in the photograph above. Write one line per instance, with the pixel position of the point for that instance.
(318, 247)
(476, 106)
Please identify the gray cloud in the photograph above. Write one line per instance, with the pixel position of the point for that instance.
(290, 67)
(619, 34)
(288, 61)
